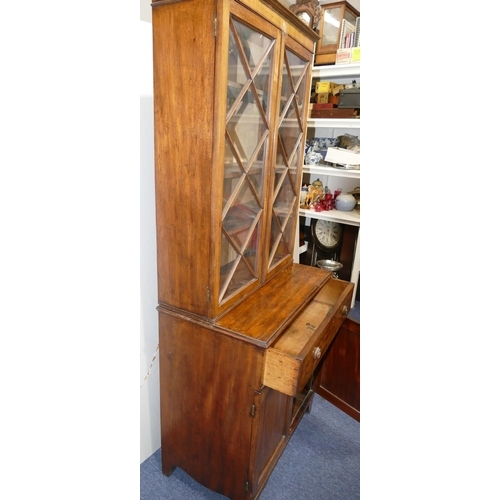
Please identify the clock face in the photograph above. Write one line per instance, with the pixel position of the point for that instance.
(326, 233)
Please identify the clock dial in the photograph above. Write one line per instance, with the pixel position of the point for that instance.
(327, 234)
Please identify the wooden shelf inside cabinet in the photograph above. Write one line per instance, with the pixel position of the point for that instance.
(331, 171)
(334, 122)
(351, 218)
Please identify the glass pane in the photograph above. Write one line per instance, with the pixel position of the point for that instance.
(286, 90)
(247, 134)
(240, 277)
(350, 17)
(290, 136)
(279, 174)
(255, 45)
(239, 267)
(294, 163)
(295, 110)
(233, 175)
(237, 75)
(279, 249)
(331, 26)
(284, 201)
(246, 128)
(255, 175)
(297, 67)
(239, 220)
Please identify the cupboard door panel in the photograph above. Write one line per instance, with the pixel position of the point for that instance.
(339, 376)
(272, 425)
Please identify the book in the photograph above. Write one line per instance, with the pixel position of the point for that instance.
(357, 37)
(346, 29)
(343, 156)
(356, 55)
(343, 56)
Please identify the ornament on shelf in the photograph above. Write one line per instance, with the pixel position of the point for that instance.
(308, 11)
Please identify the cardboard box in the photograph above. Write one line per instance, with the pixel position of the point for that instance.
(323, 87)
(336, 88)
(333, 99)
(322, 98)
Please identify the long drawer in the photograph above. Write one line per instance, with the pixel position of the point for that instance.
(292, 359)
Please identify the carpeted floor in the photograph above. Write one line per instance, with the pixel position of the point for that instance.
(320, 462)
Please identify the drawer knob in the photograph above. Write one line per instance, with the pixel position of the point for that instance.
(345, 310)
(317, 353)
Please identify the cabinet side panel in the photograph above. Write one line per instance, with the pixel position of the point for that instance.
(207, 384)
(183, 58)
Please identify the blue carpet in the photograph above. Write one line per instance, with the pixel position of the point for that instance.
(354, 313)
(321, 462)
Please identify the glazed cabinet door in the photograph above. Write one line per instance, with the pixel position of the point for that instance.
(268, 81)
(287, 165)
(252, 53)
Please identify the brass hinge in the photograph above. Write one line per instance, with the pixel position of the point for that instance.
(252, 411)
(247, 486)
(208, 294)
(215, 27)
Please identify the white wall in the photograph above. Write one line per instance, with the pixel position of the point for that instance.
(145, 10)
(149, 389)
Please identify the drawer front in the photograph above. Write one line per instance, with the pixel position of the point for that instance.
(291, 361)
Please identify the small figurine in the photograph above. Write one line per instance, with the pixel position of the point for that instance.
(314, 193)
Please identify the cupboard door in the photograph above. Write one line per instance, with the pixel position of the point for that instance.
(339, 376)
(271, 434)
(292, 116)
(251, 54)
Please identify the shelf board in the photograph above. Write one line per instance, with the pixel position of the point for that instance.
(351, 218)
(331, 171)
(334, 122)
(332, 70)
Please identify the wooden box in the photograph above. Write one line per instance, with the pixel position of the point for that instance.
(323, 105)
(332, 113)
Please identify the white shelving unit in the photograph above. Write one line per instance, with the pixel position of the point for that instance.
(334, 71)
(339, 74)
(330, 171)
(333, 123)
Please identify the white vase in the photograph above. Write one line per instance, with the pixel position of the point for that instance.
(345, 202)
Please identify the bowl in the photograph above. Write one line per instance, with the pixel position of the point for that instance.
(329, 265)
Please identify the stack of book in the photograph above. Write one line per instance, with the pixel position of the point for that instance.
(349, 51)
